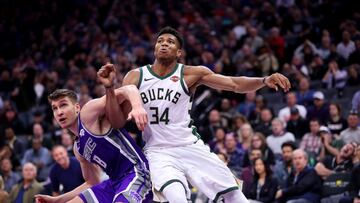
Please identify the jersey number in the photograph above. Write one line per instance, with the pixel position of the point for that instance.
(163, 118)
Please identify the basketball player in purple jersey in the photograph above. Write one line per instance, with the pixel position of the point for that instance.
(98, 145)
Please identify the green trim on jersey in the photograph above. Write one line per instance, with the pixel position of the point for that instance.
(162, 77)
(194, 132)
(224, 192)
(140, 77)
(182, 81)
(172, 181)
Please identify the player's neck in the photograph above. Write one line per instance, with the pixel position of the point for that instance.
(163, 68)
(73, 129)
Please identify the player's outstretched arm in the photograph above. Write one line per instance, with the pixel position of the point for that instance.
(237, 84)
(91, 174)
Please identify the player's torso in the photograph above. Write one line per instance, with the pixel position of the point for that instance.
(167, 102)
(114, 152)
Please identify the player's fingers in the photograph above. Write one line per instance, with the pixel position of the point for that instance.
(279, 81)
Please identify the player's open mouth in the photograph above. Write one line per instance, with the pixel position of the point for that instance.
(62, 120)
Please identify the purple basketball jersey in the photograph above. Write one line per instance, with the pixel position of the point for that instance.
(115, 152)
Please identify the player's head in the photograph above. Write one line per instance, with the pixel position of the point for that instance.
(168, 45)
(65, 107)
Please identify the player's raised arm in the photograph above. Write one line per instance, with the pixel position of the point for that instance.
(114, 98)
(238, 84)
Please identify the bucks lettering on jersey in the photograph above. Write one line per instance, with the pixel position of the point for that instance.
(167, 102)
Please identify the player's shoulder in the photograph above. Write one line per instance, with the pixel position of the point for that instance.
(132, 77)
(190, 70)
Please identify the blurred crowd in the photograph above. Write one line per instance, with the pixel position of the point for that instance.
(302, 145)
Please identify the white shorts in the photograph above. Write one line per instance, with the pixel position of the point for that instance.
(195, 163)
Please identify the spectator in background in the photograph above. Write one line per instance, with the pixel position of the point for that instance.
(268, 63)
(342, 162)
(331, 145)
(208, 132)
(245, 135)
(217, 145)
(277, 43)
(283, 167)
(235, 153)
(264, 186)
(264, 126)
(311, 142)
(237, 121)
(297, 125)
(40, 156)
(352, 133)
(3, 194)
(317, 68)
(325, 48)
(247, 173)
(355, 102)
(331, 166)
(260, 104)
(278, 137)
(64, 168)
(10, 118)
(18, 147)
(284, 113)
(335, 77)
(303, 185)
(336, 123)
(304, 95)
(248, 106)
(353, 74)
(38, 132)
(320, 110)
(258, 141)
(24, 191)
(346, 46)
(9, 176)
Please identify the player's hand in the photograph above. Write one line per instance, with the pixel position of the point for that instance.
(140, 117)
(107, 74)
(277, 80)
(45, 199)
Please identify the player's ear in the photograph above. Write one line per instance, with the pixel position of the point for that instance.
(77, 107)
(179, 53)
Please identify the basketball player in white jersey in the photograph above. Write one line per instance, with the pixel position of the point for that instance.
(175, 152)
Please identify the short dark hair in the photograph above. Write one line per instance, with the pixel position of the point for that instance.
(290, 144)
(172, 31)
(60, 93)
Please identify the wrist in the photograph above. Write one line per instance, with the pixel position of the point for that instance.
(264, 80)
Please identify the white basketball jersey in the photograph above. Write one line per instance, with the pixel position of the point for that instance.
(166, 99)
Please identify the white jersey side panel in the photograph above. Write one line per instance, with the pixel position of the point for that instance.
(167, 102)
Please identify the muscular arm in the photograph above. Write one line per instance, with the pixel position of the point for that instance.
(200, 75)
(108, 105)
(114, 113)
(91, 174)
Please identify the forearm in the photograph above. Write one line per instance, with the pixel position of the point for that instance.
(248, 84)
(130, 93)
(75, 192)
(112, 109)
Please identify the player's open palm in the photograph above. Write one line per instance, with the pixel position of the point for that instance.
(277, 80)
(45, 199)
(139, 115)
(106, 75)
